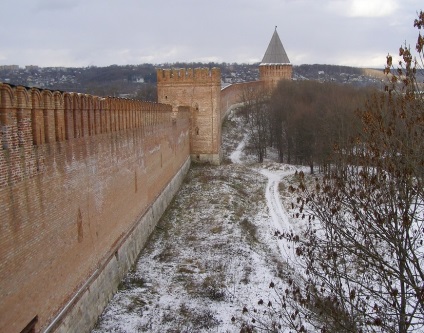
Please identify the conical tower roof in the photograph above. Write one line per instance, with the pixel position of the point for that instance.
(275, 53)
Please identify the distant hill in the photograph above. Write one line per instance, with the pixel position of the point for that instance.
(341, 74)
(139, 81)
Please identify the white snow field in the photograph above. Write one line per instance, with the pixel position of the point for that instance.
(214, 250)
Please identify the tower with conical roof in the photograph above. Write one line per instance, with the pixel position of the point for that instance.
(275, 65)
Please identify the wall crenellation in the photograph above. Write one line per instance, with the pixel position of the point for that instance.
(55, 116)
(189, 75)
(31, 117)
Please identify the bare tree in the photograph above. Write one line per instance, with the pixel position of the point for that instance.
(359, 264)
(366, 252)
(308, 118)
(255, 111)
(147, 92)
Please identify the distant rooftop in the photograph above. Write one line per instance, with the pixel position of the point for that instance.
(275, 53)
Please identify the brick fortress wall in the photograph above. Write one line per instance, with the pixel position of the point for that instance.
(232, 96)
(199, 89)
(77, 173)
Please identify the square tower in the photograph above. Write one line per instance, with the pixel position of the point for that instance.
(199, 89)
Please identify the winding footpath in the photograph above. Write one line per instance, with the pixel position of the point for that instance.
(278, 215)
(279, 218)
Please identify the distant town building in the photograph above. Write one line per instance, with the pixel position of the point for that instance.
(32, 67)
(9, 67)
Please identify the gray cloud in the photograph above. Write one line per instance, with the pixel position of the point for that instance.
(53, 5)
(104, 32)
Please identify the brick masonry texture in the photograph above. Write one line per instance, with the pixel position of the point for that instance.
(232, 95)
(77, 174)
(95, 295)
(271, 74)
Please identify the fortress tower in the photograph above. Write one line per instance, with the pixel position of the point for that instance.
(199, 89)
(275, 65)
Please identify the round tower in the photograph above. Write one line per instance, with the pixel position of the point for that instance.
(275, 65)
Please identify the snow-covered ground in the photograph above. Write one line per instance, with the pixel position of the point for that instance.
(214, 250)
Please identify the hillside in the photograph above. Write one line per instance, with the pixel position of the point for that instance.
(340, 74)
(139, 81)
(214, 250)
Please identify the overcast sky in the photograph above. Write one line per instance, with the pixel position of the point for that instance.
(79, 33)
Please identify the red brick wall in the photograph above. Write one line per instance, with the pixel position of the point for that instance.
(76, 173)
(233, 94)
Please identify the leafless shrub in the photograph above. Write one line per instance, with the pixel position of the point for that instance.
(359, 264)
